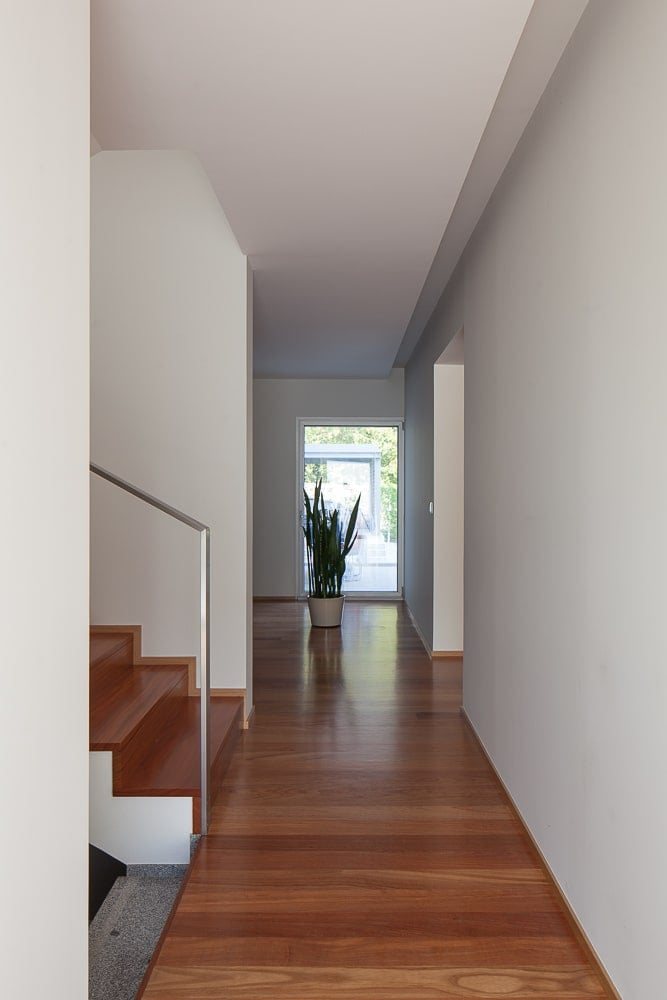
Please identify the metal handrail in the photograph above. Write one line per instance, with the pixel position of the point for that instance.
(205, 606)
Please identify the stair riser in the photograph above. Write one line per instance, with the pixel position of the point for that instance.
(110, 658)
(117, 648)
(223, 758)
(219, 767)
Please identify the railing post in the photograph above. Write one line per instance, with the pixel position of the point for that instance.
(204, 673)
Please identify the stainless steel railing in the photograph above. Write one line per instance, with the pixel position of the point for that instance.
(205, 606)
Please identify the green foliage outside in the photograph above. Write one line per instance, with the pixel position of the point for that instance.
(386, 439)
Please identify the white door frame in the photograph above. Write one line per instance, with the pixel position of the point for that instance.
(303, 422)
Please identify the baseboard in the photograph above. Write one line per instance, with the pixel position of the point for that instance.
(571, 916)
(418, 631)
(275, 600)
(434, 654)
(231, 693)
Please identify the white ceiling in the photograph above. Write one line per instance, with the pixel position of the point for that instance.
(337, 135)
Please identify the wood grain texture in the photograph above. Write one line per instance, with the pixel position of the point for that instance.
(146, 711)
(579, 931)
(103, 633)
(361, 846)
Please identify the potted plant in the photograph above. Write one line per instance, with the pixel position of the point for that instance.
(328, 542)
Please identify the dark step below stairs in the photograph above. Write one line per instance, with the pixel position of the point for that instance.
(146, 711)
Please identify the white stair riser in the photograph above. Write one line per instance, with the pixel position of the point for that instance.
(139, 830)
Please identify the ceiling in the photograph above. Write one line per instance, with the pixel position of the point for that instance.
(338, 138)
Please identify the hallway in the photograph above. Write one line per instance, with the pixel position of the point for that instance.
(362, 846)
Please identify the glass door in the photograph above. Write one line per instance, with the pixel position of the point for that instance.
(353, 459)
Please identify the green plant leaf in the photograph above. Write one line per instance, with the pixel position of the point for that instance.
(326, 548)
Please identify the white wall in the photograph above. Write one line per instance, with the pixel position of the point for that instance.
(137, 829)
(279, 404)
(170, 384)
(565, 312)
(44, 190)
(250, 488)
(448, 508)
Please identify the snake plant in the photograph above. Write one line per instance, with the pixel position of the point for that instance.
(326, 545)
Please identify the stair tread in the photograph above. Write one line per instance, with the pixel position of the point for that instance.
(121, 697)
(141, 710)
(173, 766)
(103, 646)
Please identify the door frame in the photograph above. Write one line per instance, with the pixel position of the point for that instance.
(301, 424)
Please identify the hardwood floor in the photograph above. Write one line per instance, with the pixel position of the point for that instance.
(361, 846)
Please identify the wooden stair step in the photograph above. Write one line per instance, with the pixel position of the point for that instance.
(172, 765)
(111, 658)
(121, 703)
(118, 646)
(143, 710)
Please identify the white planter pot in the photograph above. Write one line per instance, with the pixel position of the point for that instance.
(326, 612)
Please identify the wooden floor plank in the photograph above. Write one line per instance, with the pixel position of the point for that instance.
(285, 980)
(361, 846)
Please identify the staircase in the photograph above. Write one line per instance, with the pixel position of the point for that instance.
(146, 712)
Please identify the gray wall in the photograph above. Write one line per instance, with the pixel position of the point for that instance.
(565, 311)
(419, 483)
(278, 406)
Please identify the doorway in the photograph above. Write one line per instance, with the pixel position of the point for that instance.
(448, 483)
(352, 459)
